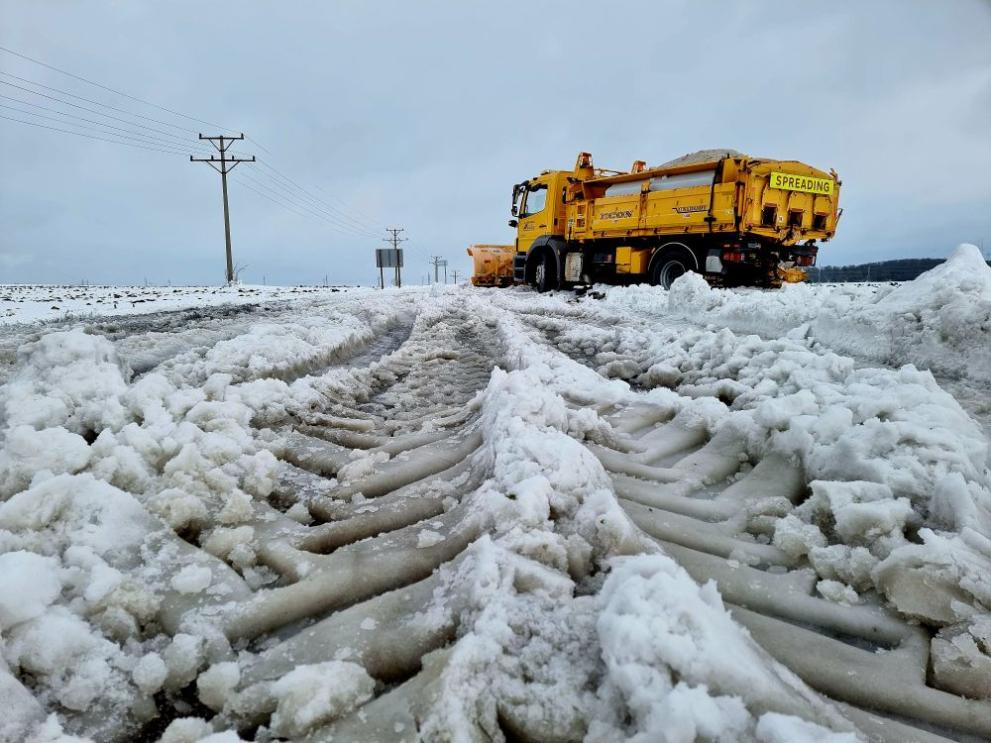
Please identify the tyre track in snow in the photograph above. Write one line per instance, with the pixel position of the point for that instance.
(699, 497)
(349, 559)
(715, 513)
(172, 332)
(368, 506)
(379, 481)
(148, 341)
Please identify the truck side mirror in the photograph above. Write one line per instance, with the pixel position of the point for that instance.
(513, 223)
(514, 210)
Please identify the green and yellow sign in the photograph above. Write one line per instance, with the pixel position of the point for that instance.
(806, 183)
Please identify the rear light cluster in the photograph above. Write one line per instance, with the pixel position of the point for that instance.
(733, 253)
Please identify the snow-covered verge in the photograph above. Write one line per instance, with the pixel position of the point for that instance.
(34, 303)
(158, 577)
(940, 321)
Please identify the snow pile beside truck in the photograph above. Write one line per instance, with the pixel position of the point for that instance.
(940, 321)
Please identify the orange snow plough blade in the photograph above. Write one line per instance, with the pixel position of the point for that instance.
(493, 265)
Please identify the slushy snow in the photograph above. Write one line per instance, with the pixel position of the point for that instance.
(140, 521)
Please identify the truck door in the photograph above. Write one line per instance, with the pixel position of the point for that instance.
(534, 217)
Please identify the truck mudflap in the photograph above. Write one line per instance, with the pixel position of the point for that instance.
(573, 266)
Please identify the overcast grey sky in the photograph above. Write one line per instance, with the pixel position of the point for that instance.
(423, 115)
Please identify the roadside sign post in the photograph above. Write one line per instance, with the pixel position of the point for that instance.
(389, 258)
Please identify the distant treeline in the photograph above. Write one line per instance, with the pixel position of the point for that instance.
(904, 269)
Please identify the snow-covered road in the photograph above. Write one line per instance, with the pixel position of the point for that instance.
(488, 515)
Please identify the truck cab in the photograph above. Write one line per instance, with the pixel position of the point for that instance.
(538, 208)
(539, 214)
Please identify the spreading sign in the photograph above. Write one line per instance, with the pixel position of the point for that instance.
(806, 183)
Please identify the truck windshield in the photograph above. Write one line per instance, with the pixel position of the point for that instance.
(536, 198)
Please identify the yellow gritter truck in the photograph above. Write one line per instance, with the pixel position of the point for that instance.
(735, 219)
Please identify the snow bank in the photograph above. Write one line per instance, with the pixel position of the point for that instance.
(37, 303)
(68, 379)
(940, 321)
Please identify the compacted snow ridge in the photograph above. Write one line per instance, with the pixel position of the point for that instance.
(475, 515)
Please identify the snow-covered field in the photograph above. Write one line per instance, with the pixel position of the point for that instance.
(32, 303)
(465, 514)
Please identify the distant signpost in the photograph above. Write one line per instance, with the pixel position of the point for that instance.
(389, 258)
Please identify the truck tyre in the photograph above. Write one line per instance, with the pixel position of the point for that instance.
(669, 265)
(544, 274)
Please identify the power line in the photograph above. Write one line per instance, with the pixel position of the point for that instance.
(288, 201)
(342, 215)
(104, 87)
(90, 136)
(129, 134)
(314, 203)
(277, 189)
(184, 140)
(276, 201)
(88, 100)
(364, 217)
(357, 212)
(315, 207)
(298, 196)
(291, 199)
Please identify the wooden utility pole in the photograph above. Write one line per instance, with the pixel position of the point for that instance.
(395, 240)
(438, 262)
(455, 276)
(226, 165)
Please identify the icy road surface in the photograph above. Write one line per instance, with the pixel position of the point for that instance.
(494, 515)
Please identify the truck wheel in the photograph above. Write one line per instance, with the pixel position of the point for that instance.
(669, 266)
(544, 279)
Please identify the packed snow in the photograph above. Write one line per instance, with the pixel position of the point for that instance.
(466, 514)
(38, 303)
(941, 321)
